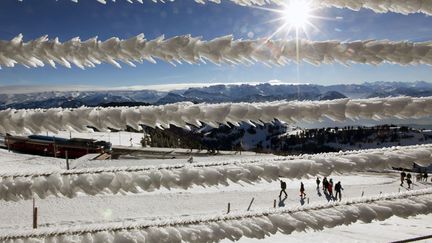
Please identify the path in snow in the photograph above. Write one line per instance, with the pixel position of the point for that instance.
(197, 201)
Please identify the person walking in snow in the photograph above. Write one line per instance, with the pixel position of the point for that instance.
(409, 176)
(325, 184)
(330, 188)
(318, 181)
(403, 174)
(425, 176)
(409, 182)
(283, 188)
(338, 189)
(302, 190)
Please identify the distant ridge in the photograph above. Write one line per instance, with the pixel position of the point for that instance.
(270, 91)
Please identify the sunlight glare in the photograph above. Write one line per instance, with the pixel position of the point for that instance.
(297, 13)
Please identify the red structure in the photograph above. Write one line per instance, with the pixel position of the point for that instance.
(56, 147)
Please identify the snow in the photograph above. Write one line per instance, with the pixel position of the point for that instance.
(220, 50)
(392, 229)
(378, 6)
(92, 181)
(254, 224)
(186, 114)
(134, 210)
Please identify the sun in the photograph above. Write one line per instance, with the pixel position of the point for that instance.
(294, 15)
(297, 13)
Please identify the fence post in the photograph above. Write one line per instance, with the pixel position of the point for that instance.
(250, 204)
(229, 208)
(35, 214)
(308, 200)
(362, 193)
(274, 203)
(67, 160)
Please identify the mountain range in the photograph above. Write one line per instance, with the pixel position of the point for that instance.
(214, 94)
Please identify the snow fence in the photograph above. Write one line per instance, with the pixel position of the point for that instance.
(93, 181)
(258, 224)
(221, 50)
(185, 114)
(378, 6)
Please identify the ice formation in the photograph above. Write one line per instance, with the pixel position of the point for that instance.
(221, 50)
(186, 114)
(378, 6)
(259, 224)
(93, 181)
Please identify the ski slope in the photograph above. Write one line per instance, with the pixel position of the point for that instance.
(139, 210)
(116, 180)
(106, 212)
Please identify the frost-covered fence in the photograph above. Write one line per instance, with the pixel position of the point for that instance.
(186, 114)
(378, 6)
(233, 226)
(222, 50)
(93, 181)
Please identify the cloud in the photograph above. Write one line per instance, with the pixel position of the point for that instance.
(222, 50)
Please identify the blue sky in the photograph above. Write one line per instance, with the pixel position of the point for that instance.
(65, 19)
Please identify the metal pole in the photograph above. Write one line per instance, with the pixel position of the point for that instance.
(250, 204)
(34, 214)
(67, 160)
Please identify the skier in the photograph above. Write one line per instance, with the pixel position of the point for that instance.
(302, 190)
(338, 188)
(318, 181)
(330, 188)
(402, 177)
(325, 184)
(283, 187)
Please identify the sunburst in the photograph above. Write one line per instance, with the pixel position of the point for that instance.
(294, 16)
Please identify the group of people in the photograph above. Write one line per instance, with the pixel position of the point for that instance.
(407, 177)
(327, 186)
(423, 176)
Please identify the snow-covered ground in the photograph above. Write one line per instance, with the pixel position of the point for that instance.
(164, 204)
(390, 230)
